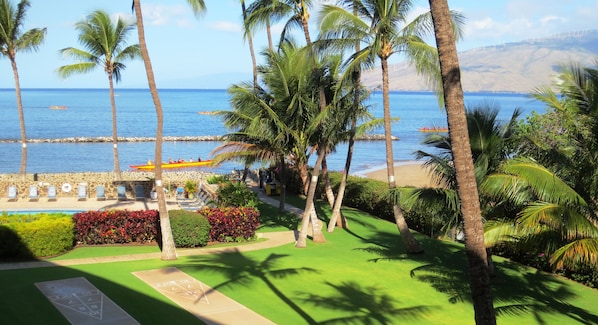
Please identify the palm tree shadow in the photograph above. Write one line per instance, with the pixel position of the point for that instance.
(362, 305)
(517, 289)
(241, 270)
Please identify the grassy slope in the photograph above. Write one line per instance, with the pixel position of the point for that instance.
(358, 274)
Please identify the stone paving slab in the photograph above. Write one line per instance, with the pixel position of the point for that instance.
(81, 303)
(198, 298)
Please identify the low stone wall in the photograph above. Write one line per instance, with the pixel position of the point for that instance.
(62, 181)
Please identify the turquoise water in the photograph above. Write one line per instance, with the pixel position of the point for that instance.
(88, 115)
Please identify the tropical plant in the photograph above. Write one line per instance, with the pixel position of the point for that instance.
(168, 246)
(105, 48)
(477, 261)
(383, 28)
(12, 41)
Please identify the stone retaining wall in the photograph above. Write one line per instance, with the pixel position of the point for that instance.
(171, 181)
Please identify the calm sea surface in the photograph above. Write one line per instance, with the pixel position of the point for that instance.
(89, 115)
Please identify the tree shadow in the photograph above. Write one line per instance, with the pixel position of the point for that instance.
(241, 270)
(363, 305)
(21, 302)
(517, 289)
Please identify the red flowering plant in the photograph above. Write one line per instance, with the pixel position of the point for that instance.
(232, 224)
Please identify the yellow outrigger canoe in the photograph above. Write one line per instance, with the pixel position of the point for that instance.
(187, 164)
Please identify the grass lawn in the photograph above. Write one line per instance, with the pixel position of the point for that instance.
(359, 276)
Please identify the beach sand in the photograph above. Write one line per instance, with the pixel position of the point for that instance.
(413, 174)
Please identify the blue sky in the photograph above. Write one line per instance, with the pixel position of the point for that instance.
(209, 51)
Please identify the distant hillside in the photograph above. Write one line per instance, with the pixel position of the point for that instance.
(511, 67)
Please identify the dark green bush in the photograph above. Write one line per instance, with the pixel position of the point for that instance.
(189, 229)
(36, 236)
(236, 194)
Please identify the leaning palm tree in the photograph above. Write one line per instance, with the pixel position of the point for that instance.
(383, 28)
(105, 48)
(13, 40)
(168, 247)
(478, 267)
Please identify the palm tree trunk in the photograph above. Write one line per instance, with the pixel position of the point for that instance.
(412, 245)
(283, 185)
(269, 34)
(168, 247)
(114, 130)
(251, 49)
(15, 71)
(309, 212)
(327, 186)
(466, 183)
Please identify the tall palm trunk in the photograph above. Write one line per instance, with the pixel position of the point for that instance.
(114, 131)
(269, 34)
(251, 49)
(15, 71)
(412, 245)
(168, 247)
(461, 148)
(309, 215)
(337, 219)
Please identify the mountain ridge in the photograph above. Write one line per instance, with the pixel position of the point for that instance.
(515, 67)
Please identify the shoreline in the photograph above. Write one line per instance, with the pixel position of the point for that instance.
(407, 173)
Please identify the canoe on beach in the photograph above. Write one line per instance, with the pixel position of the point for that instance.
(186, 164)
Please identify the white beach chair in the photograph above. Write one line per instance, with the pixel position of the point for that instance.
(51, 193)
(82, 192)
(12, 193)
(33, 196)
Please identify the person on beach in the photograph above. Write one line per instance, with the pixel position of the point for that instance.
(170, 161)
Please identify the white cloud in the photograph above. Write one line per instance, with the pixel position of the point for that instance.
(225, 26)
(163, 15)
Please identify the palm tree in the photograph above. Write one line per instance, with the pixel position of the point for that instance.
(466, 182)
(168, 247)
(383, 28)
(13, 40)
(554, 219)
(105, 45)
(490, 143)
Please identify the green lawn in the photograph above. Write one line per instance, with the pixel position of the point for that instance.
(359, 276)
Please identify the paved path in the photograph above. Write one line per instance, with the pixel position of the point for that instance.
(229, 311)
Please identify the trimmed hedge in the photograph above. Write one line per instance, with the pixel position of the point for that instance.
(232, 224)
(117, 227)
(36, 235)
(189, 229)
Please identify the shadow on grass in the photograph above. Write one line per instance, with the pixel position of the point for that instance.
(241, 270)
(363, 305)
(21, 302)
(517, 289)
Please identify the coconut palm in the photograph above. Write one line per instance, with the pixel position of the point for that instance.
(384, 30)
(13, 40)
(490, 142)
(466, 183)
(105, 48)
(554, 219)
(168, 247)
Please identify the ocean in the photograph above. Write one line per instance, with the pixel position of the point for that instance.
(88, 114)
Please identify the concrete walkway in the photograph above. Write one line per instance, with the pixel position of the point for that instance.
(227, 311)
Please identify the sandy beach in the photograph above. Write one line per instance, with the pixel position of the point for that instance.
(408, 174)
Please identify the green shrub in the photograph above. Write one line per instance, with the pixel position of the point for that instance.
(189, 229)
(36, 235)
(236, 194)
(216, 179)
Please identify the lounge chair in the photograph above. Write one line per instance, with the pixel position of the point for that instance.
(100, 193)
(82, 192)
(139, 193)
(180, 192)
(33, 196)
(121, 191)
(51, 193)
(12, 193)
